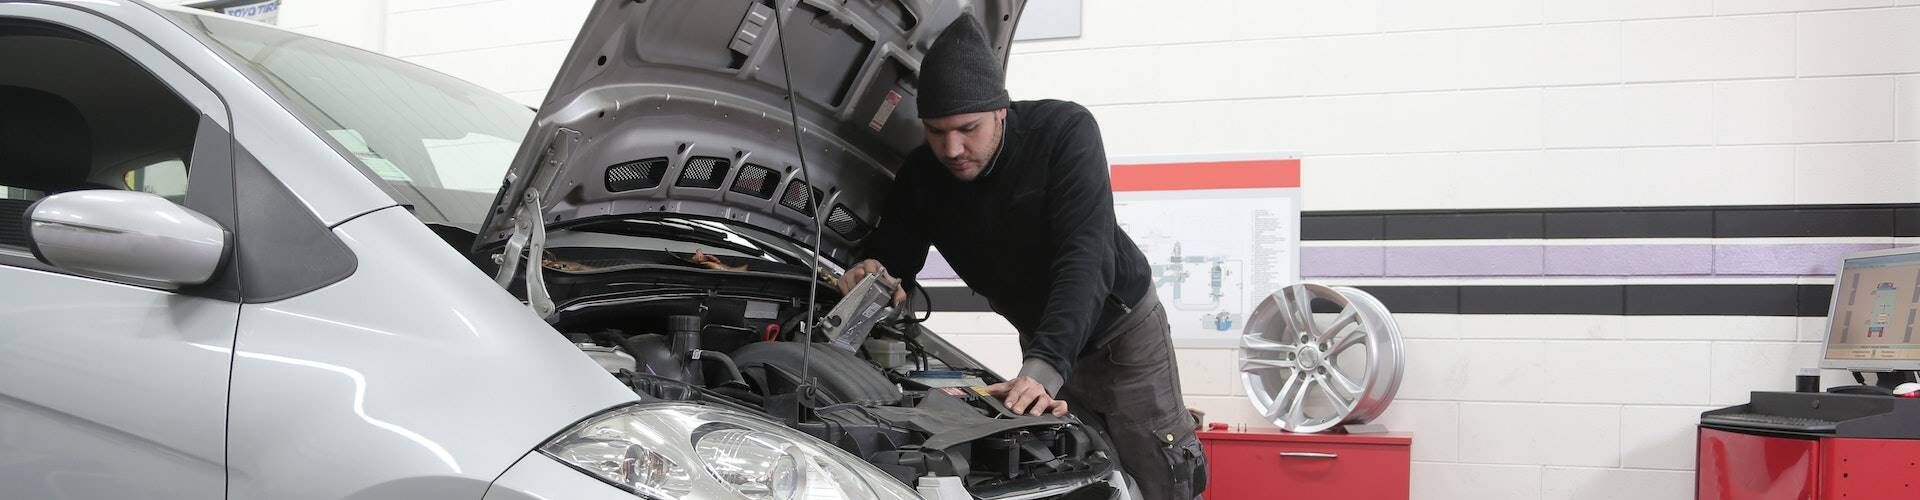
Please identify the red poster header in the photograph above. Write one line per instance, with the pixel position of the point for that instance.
(1249, 174)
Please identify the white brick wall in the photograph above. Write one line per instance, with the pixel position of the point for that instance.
(1859, 42)
(1371, 87)
(1415, 104)
(1704, 48)
(1575, 483)
(1368, 88)
(1568, 11)
(1475, 481)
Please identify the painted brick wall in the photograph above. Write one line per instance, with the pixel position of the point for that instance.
(1416, 104)
(1410, 104)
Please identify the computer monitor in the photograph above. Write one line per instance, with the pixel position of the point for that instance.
(1873, 323)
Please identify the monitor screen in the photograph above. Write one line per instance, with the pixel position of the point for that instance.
(1871, 324)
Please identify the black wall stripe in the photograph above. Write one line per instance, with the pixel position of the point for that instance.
(1801, 222)
(1902, 220)
(1464, 226)
(1721, 300)
(1906, 222)
(1813, 300)
(1610, 300)
(1630, 300)
(1326, 227)
(1667, 223)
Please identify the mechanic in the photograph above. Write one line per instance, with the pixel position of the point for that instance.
(1016, 196)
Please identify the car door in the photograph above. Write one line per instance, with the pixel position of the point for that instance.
(107, 390)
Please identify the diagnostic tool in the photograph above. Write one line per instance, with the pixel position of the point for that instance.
(866, 305)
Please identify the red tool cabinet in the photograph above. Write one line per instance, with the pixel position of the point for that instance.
(1275, 464)
(1764, 466)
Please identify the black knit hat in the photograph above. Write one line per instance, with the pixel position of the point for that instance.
(961, 73)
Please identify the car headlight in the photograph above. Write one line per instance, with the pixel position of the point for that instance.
(671, 451)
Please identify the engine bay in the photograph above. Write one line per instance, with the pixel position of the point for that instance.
(893, 392)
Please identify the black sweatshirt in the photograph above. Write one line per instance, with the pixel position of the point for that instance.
(1035, 234)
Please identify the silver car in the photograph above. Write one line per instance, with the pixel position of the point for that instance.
(239, 262)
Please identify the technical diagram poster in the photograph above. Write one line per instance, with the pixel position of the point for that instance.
(1220, 236)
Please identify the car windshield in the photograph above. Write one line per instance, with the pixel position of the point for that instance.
(438, 143)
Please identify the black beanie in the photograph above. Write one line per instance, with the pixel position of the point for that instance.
(960, 73)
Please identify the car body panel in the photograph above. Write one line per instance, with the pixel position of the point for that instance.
(681, 80)
(108, 388)
(415, 376)
(416, 370)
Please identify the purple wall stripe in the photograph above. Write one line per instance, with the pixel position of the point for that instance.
(1784, 259)
(1633, 260)
(1344, 261)
(937, 268)
(1464, 261)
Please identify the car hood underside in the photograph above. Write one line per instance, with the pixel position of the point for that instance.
(682, 106)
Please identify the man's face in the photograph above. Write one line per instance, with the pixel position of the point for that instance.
(965, 142)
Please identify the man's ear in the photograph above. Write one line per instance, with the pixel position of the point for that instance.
(1000, 113)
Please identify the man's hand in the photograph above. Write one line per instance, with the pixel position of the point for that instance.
(861, 270)
(1025, 396)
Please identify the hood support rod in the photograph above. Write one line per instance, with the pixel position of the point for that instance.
(529, 238)
(813, 209)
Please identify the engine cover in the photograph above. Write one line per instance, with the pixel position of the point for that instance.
(952, 431)
(842, 377)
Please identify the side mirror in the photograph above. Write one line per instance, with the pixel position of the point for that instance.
(127, 237)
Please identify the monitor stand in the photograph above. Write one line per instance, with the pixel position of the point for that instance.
(1883, 382)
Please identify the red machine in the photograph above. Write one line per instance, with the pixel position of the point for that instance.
(1811, 446)
(1276, 464)
(1858, 442)
(1754, 466)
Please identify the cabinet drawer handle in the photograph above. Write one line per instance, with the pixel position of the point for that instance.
(1307, 454)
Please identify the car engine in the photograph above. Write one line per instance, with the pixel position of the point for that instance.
(895, 394)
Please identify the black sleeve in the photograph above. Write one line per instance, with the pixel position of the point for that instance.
(1080, 215)
(899, 241)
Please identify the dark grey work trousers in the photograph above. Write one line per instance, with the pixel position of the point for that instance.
(1129, 388)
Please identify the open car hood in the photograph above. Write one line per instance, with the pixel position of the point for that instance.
(680, 106)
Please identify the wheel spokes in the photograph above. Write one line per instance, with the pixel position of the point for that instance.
(1258, 343)
(1299, 310)
(1280, 399)
(1296, 403)
(1249, 364)
(1344, 402)
(1346, 318)
(1352, 339)
(1347, 390)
